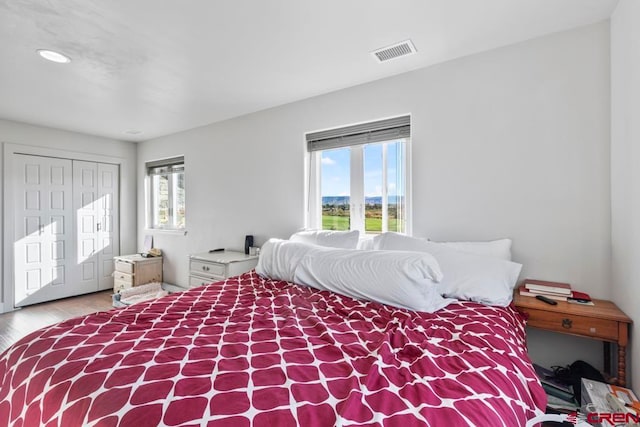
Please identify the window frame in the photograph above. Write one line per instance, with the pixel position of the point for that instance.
(357, 197)
(170, 168)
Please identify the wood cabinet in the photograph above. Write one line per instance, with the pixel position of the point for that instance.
(135, 270)
(205, 268)
(603, 321)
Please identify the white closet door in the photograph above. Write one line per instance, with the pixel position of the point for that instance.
(87, 214)
(66, 227)
(109, 225)
(96, 203)
(42, 233)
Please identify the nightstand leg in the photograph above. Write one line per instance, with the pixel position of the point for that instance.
(622, 369)
(607, 357)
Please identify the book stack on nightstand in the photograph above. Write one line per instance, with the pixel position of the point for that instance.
(557, 291)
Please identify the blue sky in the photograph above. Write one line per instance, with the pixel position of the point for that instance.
(336, 171)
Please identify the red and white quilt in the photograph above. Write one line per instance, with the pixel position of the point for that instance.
(256, 352)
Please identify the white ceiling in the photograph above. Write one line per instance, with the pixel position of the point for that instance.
(162, 66)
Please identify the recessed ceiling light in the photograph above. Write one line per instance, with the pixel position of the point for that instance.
(133, 132)
(54, 56)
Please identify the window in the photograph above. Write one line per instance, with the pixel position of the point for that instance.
(358, 177)
(165, 197)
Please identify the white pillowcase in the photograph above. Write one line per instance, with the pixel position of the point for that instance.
(466, 276)
(397, 278)
(365, 243)
(496, 248)
(328, 238)
(279, 258)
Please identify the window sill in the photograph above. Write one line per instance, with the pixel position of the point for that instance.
(182, 232)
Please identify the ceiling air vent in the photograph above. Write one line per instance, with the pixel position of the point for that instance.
(394, 51)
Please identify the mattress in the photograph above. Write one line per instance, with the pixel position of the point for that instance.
(255, 352)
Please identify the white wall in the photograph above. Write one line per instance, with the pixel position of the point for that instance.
(24, 134)
(625, 169)
(513, 142)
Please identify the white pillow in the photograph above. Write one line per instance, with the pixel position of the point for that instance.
(466, 276)
(279, 258)
(365, 244)
(328, 238)
(496, 248)
(400, 279)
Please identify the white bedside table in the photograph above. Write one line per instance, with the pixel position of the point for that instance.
(208, 267)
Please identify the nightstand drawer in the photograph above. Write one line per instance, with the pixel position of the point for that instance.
(123, 266)
(123, 277)
(195, 281)
(119, 285)
(572, 324)
(207, 268)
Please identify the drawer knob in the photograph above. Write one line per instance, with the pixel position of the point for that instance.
(567, 323)
(205, 268)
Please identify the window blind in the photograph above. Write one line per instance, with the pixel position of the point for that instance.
(365, 133)
(164, 166)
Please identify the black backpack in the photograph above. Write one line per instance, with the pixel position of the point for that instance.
(573, 374)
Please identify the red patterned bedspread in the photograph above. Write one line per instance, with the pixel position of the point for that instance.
(250, 351)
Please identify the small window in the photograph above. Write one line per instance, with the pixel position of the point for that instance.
(166, 196)
(358, 177)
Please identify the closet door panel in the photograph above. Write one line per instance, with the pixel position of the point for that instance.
(41, 235)
(109, 233)
(86, 211)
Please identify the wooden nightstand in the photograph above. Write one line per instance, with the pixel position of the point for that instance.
(603, 321)
(206, 267)
(135, 270)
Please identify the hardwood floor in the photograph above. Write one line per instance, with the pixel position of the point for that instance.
(19, 323)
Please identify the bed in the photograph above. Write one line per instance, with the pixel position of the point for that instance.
(251, 351)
